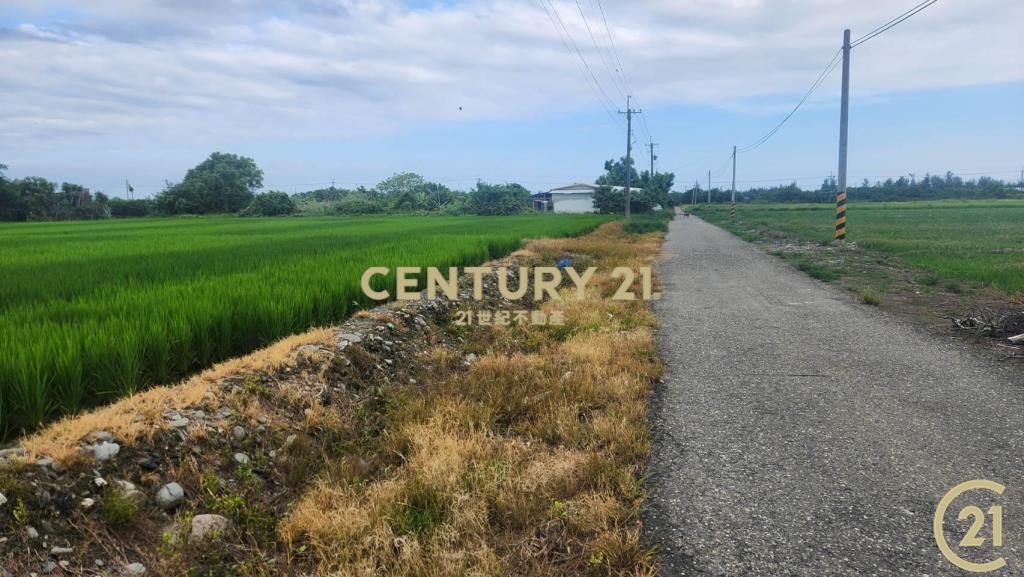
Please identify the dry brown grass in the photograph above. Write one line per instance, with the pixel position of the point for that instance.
(527, 462)
(132, 418)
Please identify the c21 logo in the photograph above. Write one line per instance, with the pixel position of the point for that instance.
(979, 519)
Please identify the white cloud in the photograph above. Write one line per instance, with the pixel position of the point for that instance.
(196, 71)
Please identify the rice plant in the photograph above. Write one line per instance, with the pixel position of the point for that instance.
(91, 311)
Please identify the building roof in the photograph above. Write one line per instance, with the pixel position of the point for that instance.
(584, 188)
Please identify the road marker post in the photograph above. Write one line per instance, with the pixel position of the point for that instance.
(844, 117)
(732, 208)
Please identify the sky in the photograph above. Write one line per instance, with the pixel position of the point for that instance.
(352, 91)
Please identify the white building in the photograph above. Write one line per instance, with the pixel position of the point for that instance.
(579, 197)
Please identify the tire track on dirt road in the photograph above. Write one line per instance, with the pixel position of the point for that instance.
(801, 434)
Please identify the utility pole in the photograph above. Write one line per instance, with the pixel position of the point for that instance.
(332, 184)
(709, 187)
(844, 117)
(653, 157)
(696, 187)
(732, 209)
(629, 147)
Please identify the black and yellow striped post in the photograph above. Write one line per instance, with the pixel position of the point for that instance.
(732, 208)
(844, 117)
(841, 216)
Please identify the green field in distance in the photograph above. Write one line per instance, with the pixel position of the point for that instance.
(977, 241)
(92, 311)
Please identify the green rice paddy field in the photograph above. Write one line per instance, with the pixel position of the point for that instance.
(92, 311)
(980, 242)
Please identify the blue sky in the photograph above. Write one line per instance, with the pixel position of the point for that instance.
(354, 91)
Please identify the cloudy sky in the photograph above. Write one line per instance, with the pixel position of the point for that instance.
(351, 90)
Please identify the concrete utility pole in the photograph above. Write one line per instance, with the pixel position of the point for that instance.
(629, 147)
(844, 117)
(653, 157)
(696, 187)
(732, 209)
(709, 187)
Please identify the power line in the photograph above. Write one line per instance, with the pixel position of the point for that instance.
(605, 61)
(821, 78)
(618, 64)
(611, 43)
(902, 17)
(554, 16)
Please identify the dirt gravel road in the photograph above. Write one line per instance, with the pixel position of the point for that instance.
(800, 433)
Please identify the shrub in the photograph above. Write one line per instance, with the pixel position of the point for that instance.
(358, 205)
(118, 509)
(651, 222)
(870, 298)
(121, 208)
(495, 199)
(271, 203)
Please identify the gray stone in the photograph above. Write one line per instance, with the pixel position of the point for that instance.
(11, 454)
(48, 567)
(99, 437)
(127, 488)
(133, 569)
(206, 526)
(3, 499)
(179, 423)
(241, 458)
(61, 550)
(169, 496)
(105, 451)
(307, 350)
(238, 432)
(44, 462)
(31, 532)
(351, 337)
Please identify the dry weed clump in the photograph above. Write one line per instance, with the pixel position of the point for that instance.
(525, 461)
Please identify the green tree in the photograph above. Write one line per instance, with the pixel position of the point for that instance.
(401, 183)
(37, 197)
(11, 207)
(271, 203)
(496, 199)
(615, 173)
(658, 186)
(609, 201)
(221, 183)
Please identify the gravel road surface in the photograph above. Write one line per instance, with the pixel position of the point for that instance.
(801, 433)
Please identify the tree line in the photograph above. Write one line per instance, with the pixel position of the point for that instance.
(904, 188)
(228, 184)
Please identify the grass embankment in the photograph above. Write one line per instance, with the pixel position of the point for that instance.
(420, 448)
(954, 244)
(92, 311)
(526, 463)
